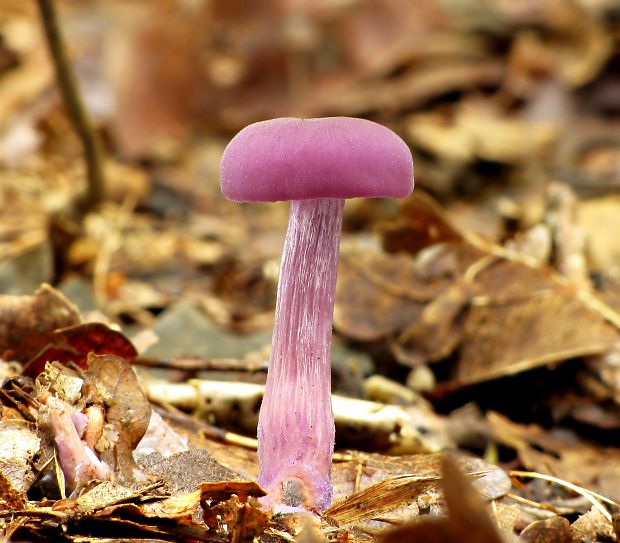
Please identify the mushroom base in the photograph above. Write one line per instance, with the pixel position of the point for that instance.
(296, 423)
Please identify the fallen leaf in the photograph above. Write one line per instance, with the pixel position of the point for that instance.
(477, 133)
(176, 507)
(101, 496)
(468, 519)
(552, 530)
(127, 412)
(222, 490)
(27, 323)
(18, 447)
(508, 316)
(375, 296)
(75, 343)
(561, 454)
(421, 222)
(393, 489)
(592, 526)
(600, 219)
(506, 333)
(378, 499)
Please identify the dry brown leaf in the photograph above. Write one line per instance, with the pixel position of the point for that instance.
(413, 88)
(128, 411)
(562, 455)
(504, 335)
(579, 45)
(438, 331)
(493, 484)
(175, 507)
(378, 499)
(421, 222)
(478, 133)
(600, 220)
(27, 323)
(18, 447)
(223, 490)
(376, 295)
(25, 82)
(243, 521)
(552, 530)
(592, 526)
(468, 519)
(508, 316)
(378, 35)
(393, 488)
(102, 496)
(73, 345)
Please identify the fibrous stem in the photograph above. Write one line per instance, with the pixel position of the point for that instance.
(296, 424)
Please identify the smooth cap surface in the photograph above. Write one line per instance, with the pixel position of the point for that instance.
(332, 157)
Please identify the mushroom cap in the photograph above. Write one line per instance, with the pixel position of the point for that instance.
(332, 157)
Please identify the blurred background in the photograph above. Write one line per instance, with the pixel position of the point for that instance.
(511, 108)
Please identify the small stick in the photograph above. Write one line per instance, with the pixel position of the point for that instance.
(589, 495)
(194, 364)
(75, 107)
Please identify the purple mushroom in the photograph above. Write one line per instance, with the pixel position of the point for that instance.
(316, 164)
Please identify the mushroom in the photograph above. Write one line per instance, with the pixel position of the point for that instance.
(79, 462)
(316, 164)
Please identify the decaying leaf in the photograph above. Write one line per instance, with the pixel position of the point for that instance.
(372, 300)
(18, 446)
(222, 490)
(475, 133)
(502, 314)
(378, 499)
(394, 489)
(73, 344)
(600, 219)
(562, 455)
(27, 323)
(552, 530)
(230, 505)
(371, 468)
(468, 520)
(592, 526)
(128, 412)
(506, 332)
(421, 223)
(111, 506)
(101, 496)
(437, 333)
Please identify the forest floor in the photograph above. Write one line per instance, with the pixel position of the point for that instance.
(476, 347)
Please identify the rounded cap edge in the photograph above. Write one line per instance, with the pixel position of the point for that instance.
(331, 157)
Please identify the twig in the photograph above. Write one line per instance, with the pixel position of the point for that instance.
(525, 501)
(193, 364)
(589, 495)
(75, 107)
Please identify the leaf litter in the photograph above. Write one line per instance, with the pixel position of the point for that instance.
(479, 316)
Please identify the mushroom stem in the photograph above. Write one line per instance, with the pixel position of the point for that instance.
(296, 422)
